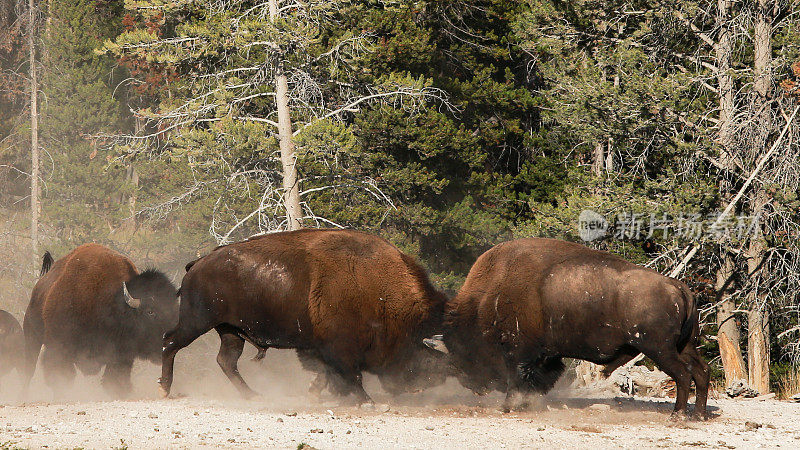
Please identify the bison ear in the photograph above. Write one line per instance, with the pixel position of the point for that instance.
(437, 343)
(131, 301)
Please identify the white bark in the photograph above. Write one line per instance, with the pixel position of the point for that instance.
(291, 194)
(34, 86)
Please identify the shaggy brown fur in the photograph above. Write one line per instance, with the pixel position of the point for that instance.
(528, 303)
(350, 301)
(78, 311)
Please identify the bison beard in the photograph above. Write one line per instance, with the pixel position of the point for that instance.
(527, 303)
(541, 375)
(347, 301)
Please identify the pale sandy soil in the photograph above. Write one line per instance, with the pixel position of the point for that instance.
(210, 415)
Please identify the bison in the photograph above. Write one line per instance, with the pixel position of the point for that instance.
(94, 309)
(11, 344)
(526, 304)
(347, 301)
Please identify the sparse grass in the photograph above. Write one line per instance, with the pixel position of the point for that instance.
(788, 383)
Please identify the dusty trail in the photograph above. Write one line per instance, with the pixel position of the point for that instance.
(199, 422)
(445, 417)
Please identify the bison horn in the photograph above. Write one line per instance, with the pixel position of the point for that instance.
(437, 343)
(133, 302)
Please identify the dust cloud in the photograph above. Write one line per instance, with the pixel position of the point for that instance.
(206, 410)
(279, 379)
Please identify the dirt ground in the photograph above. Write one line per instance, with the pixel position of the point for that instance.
(207, 413)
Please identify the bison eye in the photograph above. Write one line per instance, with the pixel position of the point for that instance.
(151, 313)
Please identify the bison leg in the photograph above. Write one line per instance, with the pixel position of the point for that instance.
(33, 346)
(230, 349)
(325, 378)
(59, 369)
(700, 374)
(262, 352)
(318, 385)
(673, 365)
(621, 360)
(515, 399)
(537, 375)
(174, 340)
(117, 378)
(350, 381)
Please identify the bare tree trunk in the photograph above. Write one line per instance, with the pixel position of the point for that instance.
(728, 336)
(35, 205)
(291, 189)
(758, 349)
(728, 333)
(758, 326)
(597, 160)
(291, 194)
(133, 178)
(757, 318)
(725, 81)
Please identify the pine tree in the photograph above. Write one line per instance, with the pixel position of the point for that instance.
(82, 194)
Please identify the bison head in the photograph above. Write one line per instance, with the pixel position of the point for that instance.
(152, 303)
(416, 370)
(462, 365)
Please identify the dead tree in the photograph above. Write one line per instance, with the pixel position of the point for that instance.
(273, 58)
(728, 334)
(34, 87)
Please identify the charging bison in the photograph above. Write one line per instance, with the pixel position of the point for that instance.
(348, 301)
(95, 309)
(11, 344)
(528, 303)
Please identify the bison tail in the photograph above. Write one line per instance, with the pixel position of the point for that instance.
(690, 328)
(47, 262)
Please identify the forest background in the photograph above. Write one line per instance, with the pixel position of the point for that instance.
(163, 128)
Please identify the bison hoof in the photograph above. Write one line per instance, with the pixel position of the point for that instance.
(678, 416)
(367, 406)
(519, 407)
(253, 397)
(164, 392)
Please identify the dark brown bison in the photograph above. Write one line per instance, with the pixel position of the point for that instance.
(528, 303)
(348, 301)
(95, 309)
(11, 344)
